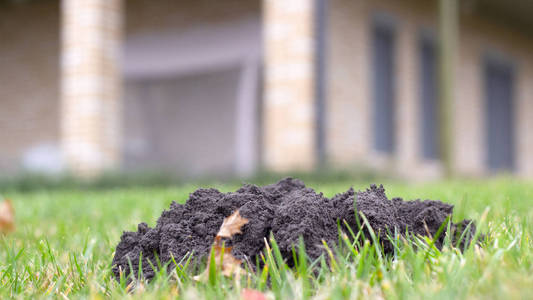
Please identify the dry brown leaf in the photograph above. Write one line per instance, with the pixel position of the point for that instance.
(225, 261)
(7, 216)
(232, 225)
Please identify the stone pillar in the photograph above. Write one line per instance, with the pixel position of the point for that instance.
(349, 103)
(448, 27)
(289, 117)
(524, 120)
(408, 101)
(246, 118)
(91, 85)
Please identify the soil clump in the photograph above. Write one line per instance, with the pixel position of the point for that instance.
(287, 210)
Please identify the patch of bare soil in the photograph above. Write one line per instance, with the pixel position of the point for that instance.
(287, 210)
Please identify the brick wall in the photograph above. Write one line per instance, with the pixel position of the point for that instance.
(348, 118)
(349, 106)
(29, 84)
(479, 37)
(29, 93)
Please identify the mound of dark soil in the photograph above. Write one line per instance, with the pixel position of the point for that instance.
(286, 209)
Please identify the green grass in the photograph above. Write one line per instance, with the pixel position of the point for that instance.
(65, 240)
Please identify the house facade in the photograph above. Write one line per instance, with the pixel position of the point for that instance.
(230, 87)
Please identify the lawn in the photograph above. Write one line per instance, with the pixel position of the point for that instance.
(64, 244)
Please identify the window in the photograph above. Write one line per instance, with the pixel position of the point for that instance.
(321, 7)
(499, 77)
(429, 129)
(383, 86)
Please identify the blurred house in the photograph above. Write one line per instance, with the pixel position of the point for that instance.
(227, 87)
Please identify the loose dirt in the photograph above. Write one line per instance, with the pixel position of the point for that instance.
(287, 210)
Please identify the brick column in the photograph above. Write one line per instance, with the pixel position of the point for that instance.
(91, 87)
(349, 103)
(408, 101)
(289, 119)
(524, 120)
(448, 27)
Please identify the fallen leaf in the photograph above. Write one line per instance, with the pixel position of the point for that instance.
(232, 225)
(228, 264)
(249, 294)
(7, 216)
(224, 260)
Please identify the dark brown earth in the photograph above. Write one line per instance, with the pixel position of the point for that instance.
(286, 209)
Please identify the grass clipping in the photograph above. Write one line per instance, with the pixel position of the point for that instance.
(220, 258)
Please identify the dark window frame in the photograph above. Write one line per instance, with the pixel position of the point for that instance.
(429, 129)
(499, 112)
(384, 98)
(320, 28)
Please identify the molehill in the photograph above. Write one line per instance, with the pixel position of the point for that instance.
(288, 210)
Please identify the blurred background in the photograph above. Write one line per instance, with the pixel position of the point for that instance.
(420, 89)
